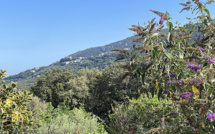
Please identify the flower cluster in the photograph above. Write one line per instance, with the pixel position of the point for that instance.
(211, 117)
(166, 91)
(180, 34)
(161, 20)
(199, 37)
(194, 67)
(211, 61)
(175, 82)
(123, 119)
(173, 75)
(185, 95)
(125, 100)
(203, 50)
(174, 112)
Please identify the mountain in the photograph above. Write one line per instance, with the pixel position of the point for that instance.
(96, 57)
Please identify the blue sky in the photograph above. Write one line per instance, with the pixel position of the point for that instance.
(36, 33)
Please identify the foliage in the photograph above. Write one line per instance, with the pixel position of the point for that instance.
(109, 87)
(51, 85)
(191, 61)
(15, 117)
(139, 115)
(64, 120)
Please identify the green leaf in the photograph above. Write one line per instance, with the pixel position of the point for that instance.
(13, 85)
(210, 91)
(183, 29)
(154, 53)
(143, 74)
(202, 131)
(169, 26)
(160, 93)
(207, 11)
(170, 56)
(159, 55)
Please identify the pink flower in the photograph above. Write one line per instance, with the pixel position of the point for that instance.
(167, 12)
(161, 20)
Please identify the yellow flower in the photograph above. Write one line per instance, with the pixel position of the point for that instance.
(171, 95)
(2, 110)
(16, 116)
(186, 100)
(196, 92)
(156, 84)
(8, 102)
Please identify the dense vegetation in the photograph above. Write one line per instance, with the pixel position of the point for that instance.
(165, 86)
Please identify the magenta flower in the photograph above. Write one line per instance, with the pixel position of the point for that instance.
(173, 75)
(175, 82)
(211, 61)
(166, 91)
(198, 37)
(187, 95)
(161, 20)
(194, 67)
(186, 70)
(194, 129)
(167, 12)
(211, 117)
(174, 112)
(203, 50)
(180, 34)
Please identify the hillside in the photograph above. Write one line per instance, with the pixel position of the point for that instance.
(96, 57)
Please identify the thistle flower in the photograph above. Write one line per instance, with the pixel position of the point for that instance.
(174, 112)
(161, 20)
(203, 50)
(125, 99)
(167, 12)
(194, 129)
(187, 95)
(166, 91)
(211, 61)
(173, 75)
(211, 117)
(180, 34)
(194, 67)
(186, 70)
(198, 37)
(175, 82)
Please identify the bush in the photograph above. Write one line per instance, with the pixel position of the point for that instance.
(140, 115)
(76, 120)
(181, 63)
(15, 117)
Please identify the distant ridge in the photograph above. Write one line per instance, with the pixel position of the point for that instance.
(99, 57)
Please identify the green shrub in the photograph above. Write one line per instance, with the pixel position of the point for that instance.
(180, 62)
(140, 114)
(15, 117)
(65, 120)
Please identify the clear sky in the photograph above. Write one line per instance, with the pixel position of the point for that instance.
(36, 33)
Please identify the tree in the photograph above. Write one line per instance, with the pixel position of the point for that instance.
(49, 86)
